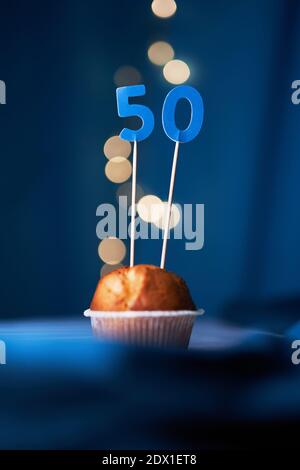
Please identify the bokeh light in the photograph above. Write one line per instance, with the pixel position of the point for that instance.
(112, 250)
(127, 75)
(125, 190)
(164, 8)
(118, 169)
(160, 53)
(176, 72)
(174, 219)
(108, 268)
(149, 209)
(116, 147)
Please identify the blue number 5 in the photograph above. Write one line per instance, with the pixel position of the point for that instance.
(125, 109)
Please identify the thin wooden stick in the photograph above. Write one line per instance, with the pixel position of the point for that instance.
(169, 207)
(133, 209)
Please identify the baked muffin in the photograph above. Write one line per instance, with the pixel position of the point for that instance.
(143, 305)
(141, 288)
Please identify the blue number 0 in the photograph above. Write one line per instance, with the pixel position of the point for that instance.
(125, 109)
(168, 113)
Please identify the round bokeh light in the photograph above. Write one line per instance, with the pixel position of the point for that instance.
(108, 268)
(112, 250)
(174, 219)
(160, 53)
(125, 190)
(127, 75)
(149, 209)
(176, 72)
(164, 8)
(118, 169)
(116, 147)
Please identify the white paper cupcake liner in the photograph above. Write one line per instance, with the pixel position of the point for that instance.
(155, 328)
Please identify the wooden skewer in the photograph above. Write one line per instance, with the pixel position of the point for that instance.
(133, 208)
(169, 207)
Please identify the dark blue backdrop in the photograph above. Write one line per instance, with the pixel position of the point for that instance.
(58, 60)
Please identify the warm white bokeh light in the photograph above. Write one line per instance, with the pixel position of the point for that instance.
(112, 250)
(148, 208)
(127, 75)
(164, 8)
(116, 147)
(125, 190)
(118, 169)
(176, 72)
(174, 219)
(160, 53)
(108, 268)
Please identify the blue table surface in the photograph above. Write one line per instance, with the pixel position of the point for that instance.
(63, 389)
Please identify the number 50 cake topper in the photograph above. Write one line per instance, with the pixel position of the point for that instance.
(126, 109)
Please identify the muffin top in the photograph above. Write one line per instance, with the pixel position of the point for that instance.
(142, 287)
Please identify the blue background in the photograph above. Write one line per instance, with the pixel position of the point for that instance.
(58, 61)
(236, 386)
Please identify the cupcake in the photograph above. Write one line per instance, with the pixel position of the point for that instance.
(143, 304)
